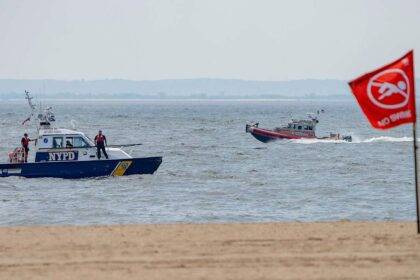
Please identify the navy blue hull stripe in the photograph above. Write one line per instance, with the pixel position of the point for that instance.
(79, 169)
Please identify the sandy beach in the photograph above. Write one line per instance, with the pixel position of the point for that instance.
(334, 250)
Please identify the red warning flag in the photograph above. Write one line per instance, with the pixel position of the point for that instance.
(387, 95)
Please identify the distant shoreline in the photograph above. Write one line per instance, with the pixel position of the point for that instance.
(201, 88)
(180, 98)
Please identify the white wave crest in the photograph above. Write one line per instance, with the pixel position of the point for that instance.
(356, 140)
(314, 141)
(387, 139)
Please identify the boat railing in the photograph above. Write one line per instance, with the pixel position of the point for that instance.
(17, 155)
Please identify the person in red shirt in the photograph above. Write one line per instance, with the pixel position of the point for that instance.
(100, 142)
(25, 145)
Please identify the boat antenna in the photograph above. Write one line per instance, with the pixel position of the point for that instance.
(29, 98)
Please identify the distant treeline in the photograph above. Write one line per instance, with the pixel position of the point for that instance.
(67, 95)
(164, 89)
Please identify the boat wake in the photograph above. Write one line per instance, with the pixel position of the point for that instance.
(315, 141)
(388, 139)
(356, 140)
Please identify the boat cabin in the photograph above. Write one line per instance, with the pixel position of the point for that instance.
(299, 128)
(63, 144)
(68, 145)
(301, 125)
(62, 138)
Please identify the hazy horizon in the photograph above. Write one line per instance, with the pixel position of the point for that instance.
(238, 39)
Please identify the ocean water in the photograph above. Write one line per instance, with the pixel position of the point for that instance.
(212, 170)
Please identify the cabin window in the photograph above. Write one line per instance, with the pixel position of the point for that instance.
(299, 127)
(69, 142)
(79, 142)
(57, 142)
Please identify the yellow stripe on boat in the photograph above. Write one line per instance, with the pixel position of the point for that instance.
(121, 168)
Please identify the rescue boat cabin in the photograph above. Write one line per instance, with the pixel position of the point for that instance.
(56, 144)
(304, 128)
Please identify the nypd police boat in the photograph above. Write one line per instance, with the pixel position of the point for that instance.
(65, 153)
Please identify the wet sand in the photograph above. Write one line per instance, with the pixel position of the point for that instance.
(334, 250)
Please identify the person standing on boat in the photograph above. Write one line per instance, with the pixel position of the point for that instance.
(100, 142)
(25, 145)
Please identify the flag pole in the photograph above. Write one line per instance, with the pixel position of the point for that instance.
(415, 151)
(416, 177)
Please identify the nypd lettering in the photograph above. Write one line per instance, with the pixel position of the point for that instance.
(57, 156)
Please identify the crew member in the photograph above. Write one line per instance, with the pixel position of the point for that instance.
(100, 142)
(25, 145)
(69, 145)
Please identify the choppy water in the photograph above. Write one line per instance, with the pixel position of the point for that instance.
(213, 171)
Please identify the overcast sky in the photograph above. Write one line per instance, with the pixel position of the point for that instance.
(241, 39)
